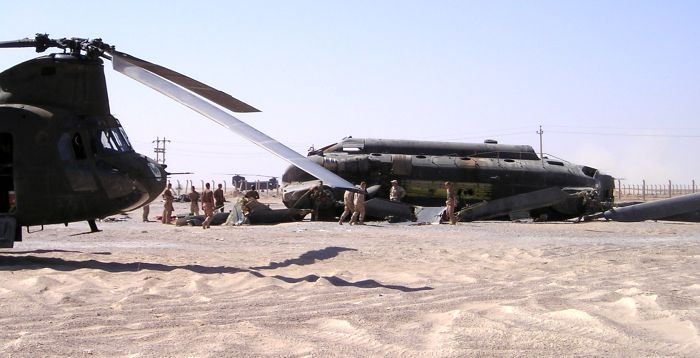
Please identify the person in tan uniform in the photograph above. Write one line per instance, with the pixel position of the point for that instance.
(194, 201)
(207, 206)
(349, 201)
(146, 211)
(168, 205)
(397, 192)
(219, 198)
(358, 216)
(451, 202)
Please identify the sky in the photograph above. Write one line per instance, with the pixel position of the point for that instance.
(614, 84)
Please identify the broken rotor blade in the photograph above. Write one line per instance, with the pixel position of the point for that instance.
(656, 210)
(125, 65)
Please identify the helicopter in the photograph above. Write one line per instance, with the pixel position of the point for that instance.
(491, 180)
(240, 182)
(65, 158)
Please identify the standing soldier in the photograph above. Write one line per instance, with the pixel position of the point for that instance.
(451, 202)
(358, 217)
(348, 200)
(146, 211)
(207, 206)
(397, 192)
(168, 206)
(194, 201)
(219, 198)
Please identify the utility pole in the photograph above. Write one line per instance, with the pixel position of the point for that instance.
(159, 150)
(540, 132)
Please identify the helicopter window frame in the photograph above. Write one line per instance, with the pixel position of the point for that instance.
(124, 137)
(114, 139)
(107, 141)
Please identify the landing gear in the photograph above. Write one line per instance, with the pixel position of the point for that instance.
(93, 226)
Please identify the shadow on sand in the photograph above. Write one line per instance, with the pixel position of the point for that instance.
(28, 262)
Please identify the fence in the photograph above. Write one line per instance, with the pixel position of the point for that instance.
(646, 191)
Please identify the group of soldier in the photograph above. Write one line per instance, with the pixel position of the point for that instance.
(354, 202)
(211, 201)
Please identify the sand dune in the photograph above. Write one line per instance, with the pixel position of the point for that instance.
(319, 289)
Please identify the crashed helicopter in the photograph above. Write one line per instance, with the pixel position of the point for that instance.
(491, 180)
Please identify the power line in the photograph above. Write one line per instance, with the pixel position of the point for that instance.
(630, 134)
(159, 150)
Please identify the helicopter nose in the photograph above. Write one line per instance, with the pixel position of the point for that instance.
(155, 179)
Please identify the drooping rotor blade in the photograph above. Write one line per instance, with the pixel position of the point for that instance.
(124, 64)
(514, 203)
(657, 210)
(219, 97)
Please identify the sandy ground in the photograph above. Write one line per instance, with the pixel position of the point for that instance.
(320, 289)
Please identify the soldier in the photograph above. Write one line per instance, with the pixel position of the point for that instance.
(349, 201)
(397, 192)
(358, 216)
(194, 201)
(451, 202)
(146, 211)
(207, 206)
(219, 198)
(168, 206)
(320, 199)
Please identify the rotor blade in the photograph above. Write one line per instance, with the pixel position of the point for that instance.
(18, 43)
(128, 68)
(656, 210)
(219, 97)
(41, 42)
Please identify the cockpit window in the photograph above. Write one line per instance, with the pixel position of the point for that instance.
(113, 139)
(124, 138)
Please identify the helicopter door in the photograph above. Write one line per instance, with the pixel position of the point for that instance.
(7, 187)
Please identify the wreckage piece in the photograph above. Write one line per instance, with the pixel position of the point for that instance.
(513, 204)
(382, 208)
(259, 213)
(680, 208)
(429, 214)
(197, 220)
(398, 211)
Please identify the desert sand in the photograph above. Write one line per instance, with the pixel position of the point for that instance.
(323, 290)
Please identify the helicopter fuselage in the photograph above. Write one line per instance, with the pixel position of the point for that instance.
(479, 172)
(63, 156)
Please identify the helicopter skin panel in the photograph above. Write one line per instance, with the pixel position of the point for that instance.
(178, 93)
